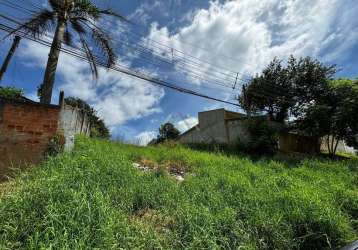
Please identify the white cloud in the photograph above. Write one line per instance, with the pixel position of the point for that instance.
(145, 137)
(180, 121)
(186, 124)
(117, 97)
(141, 14)
(253, 32)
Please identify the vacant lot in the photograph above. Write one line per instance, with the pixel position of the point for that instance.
(95, 198)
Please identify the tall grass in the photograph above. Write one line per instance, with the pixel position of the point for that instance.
(94, 198)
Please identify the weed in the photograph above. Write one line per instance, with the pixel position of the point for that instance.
(93, 197)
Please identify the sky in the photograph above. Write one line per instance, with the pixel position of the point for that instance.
(204, 46)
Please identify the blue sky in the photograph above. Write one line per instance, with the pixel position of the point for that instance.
(200, 45)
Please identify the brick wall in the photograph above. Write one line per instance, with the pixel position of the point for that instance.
(25, 131)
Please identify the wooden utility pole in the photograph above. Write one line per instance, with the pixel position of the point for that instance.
(11, 52)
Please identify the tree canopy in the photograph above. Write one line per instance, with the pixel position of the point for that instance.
(335, 114)
(305, 91)
(281, 91)
(167, 131)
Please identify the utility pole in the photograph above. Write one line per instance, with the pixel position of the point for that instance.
(11, 52)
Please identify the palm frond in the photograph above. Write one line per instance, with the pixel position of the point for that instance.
(114, 14)
(67, 39)
(55, 4)
(77, 26)
(84, 8)
(103, 42)
(38, 24)
(90, 57)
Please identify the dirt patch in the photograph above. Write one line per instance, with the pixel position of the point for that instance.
(161, 223)
(175, 169)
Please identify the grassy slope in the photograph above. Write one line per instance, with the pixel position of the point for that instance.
(93, 197)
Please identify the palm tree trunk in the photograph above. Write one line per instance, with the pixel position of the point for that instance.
(12, 50)
(50, 73)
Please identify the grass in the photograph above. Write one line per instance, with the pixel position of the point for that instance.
(94, 198)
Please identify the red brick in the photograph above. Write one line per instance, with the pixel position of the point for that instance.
(19, 128)
(25, 131)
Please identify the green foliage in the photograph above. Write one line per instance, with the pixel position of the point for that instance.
(304, 89)
(334, 114)
(55, 146)
(167, 131)
(11, 92)
(98, 127)
(280, 91)
(263, 137)
(93, 198)
(254, 98)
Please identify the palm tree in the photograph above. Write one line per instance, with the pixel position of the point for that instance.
(69, 17)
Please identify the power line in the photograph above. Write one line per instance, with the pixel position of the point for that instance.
(126, 70)
(267, 94)
(120, 68)
(16, 6)
(191, 73)
(199, 77)
(141, 34)
(191, 70)
(187, 58)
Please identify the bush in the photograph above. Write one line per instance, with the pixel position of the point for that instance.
(263, 137)
(11, 92)
(55, 146)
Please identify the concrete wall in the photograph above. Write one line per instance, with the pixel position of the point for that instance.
(27, 127)
(224, 127)
(237, 131)
(73, 122)
(214, 134)
(211, 129)
(342, 147)
(216, 126)
(25, 131)
(210, 118)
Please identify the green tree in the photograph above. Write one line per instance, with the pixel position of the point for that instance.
(269, 92)
(281, 91)
(334, 114)
(167, 131)
(68, 17)
(98, 127)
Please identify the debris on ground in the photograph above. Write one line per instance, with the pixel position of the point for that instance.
(161, 223)
(175, 169)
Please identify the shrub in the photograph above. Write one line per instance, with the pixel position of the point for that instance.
(11, 92)
(56, 145)
(263, 137)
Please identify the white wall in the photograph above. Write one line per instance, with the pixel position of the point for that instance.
(73, 122)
